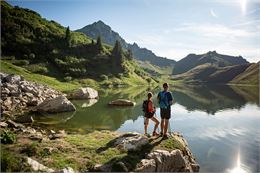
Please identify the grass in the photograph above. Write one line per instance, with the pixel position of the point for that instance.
(79, 151)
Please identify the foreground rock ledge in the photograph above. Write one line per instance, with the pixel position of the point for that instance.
(158, 160)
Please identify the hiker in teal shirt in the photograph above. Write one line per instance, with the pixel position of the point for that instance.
(165, 101)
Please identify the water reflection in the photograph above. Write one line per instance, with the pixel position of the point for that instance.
(214, 98)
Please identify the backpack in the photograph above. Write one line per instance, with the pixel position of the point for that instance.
(145, 106)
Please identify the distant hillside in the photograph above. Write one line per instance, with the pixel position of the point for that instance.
(209, 73)
(109, 37)
(212, 57)
(46, 47)
(250, 75)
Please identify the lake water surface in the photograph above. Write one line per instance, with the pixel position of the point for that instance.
(220, 123)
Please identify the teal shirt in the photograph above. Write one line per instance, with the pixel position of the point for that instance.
(165, 97)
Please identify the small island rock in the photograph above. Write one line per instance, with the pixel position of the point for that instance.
(122, 102)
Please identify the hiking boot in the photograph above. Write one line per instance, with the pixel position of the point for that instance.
(155, 134)
(165, 136)
(147, 135)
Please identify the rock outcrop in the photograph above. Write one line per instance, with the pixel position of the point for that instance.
(19, 95)
(55, 105)
(157, 160)
(84, 93)
(122, 102)
(131, 142)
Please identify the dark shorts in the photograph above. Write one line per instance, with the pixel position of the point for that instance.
(165, 113)
(149, 114)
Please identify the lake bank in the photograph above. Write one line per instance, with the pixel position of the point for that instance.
(28, 147)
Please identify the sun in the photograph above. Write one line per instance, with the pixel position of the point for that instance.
(243, 4)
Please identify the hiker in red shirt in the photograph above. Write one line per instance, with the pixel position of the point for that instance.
(149, 114)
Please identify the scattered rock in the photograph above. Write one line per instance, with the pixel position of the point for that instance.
(122, 102)
(3, 124)
(36, 166)
(66, 170)
(13, 124)
(60, 134)
(56, 105)
(84, 93)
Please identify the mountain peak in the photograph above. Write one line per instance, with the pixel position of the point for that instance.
(109, 36)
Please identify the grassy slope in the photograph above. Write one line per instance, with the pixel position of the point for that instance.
(249, 76)
(81, 152)
(212, 74)
(132, 80)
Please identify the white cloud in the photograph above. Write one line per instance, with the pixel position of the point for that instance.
(213, 13)
(214, 30)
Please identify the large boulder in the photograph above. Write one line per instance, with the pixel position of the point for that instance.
(122, 102)
(56, 105)
(84, 93)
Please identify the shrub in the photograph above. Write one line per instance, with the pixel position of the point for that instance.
(32, 56)
(104, 77)
(68, 78)
(21, 62)
(8, 137)
(36, 68)
(120, 75)
(149, 80)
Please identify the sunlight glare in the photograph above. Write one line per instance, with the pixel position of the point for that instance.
(238, 168)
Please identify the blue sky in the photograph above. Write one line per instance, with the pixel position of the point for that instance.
(170, 28)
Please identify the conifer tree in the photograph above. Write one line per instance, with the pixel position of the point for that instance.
(68, 37)
(99, 45)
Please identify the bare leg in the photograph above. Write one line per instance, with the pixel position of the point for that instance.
(146, 125)
(166, 126)
(162, 125)
(156, 123)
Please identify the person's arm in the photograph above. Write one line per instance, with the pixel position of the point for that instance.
(158, 98)
(170, 98)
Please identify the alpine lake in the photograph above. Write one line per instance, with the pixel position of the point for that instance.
(220, 123)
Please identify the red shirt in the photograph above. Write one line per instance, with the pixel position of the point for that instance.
(150, 106)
